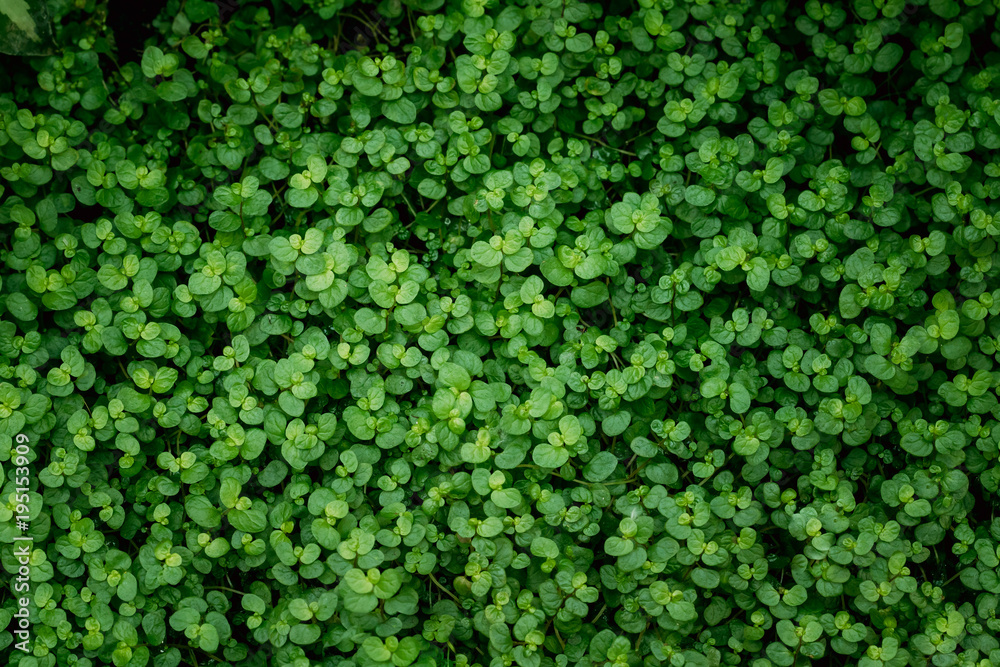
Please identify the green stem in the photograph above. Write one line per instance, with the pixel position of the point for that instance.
(445, 590)
(224, 588)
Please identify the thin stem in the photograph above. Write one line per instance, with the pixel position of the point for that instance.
(598, 614)
(640, 135)
(432, 206)
(370, 26)
(596, 140)
(413, 211)
(954, 576)
(446, 591)
(224, 588)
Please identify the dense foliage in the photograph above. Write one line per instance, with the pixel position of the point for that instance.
(532, 333)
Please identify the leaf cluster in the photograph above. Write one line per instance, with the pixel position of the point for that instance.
(544, 333)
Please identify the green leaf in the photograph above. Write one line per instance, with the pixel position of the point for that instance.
(590, 295)
(548, 456)
(202, 511)
(616, 423)
(248, 521)
(888, 57)
(208, 638)
(400, 111)
(705, 578)
(25, 29)
(700, 196)
(21, 307)
(600, 467)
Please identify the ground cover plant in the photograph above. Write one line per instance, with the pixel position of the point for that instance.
(530, 333)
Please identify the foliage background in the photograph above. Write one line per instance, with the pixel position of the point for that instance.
(535, 333)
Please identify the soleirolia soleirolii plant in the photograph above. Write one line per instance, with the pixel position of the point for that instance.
(517, 333)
